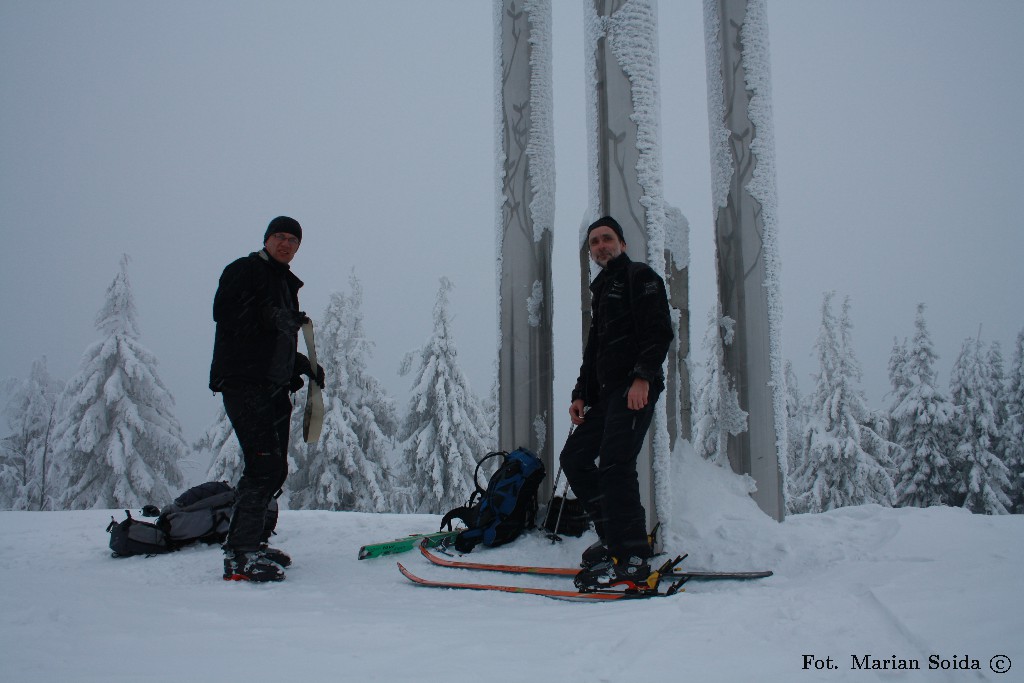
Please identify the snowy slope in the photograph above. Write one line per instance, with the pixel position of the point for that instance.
(905, 583)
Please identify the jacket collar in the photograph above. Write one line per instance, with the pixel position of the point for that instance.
(265, 255)
(284, 268)
(616, 264)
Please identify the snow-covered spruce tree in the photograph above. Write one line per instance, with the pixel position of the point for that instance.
(922, 418)
(997, 380)
(980, 477)
(1013, 433)
(8, 473)
(491, 408)
(26, 455)
(796, 420)
(844, 461)
(119, 443)
(226, 461)
(874, 429)
(297, 447)
(377, 420)
(899, 380)
(348, 468)
(718, 411)
(444, 432)
(1002, 443)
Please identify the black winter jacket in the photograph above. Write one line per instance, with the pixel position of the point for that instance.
(255, 343)
(630, 332)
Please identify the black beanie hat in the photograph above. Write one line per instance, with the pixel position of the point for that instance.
(611, 223)
(283, 224)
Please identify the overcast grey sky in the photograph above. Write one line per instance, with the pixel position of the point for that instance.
(174, 131)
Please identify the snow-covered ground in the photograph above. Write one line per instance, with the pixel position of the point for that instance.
(892, 584)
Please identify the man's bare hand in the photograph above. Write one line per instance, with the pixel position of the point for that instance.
(636, 398)
(576, 411)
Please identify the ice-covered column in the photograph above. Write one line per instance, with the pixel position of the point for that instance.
(626, 183)
(678, 405)
(525, 214)
(742, 160)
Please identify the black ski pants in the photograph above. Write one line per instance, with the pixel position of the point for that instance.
(599, 460)
(261, 417)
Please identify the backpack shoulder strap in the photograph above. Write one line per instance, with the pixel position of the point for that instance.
(466, 513)
(476, 473)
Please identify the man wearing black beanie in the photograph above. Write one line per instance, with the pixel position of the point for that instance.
(612, 407)
(286, 225)
(255, 366)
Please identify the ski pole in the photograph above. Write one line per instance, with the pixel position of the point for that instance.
(555, 538)
(547, 507)
(554, 491)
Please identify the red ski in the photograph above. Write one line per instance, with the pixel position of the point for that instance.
(574, 596)
(676, 573)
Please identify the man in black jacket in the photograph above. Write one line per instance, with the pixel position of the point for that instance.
(255, 365)
(612, 406)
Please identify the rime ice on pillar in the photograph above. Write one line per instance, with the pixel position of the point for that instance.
(742, 151)
(625, 182)
(678, 403)
(525, 215)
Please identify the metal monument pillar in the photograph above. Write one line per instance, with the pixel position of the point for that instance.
(625, 182)
(525, 191)
(678, 404)
(742, 151)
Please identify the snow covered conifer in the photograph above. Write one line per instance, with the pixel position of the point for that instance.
(922, 418)
(377, 415)
(874, 425)
(444, 433)
(349, 468)
(491, 408)
(26, 455)
(718, 411)
(120, 444)
(981, 480)
(1013, 433)
(1000, 395)
(898, 377)
(226, 462)
(796, 416)
(844, 462)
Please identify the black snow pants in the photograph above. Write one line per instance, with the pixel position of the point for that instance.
(599, 460)
(261, 417)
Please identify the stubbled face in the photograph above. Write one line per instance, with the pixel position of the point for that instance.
(282, 246)
(604, 245)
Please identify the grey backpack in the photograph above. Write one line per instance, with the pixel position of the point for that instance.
(201, 514)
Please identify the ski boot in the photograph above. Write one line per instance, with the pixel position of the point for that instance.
(240, 565)
(276, 555)
(598, 552)
(595, 555)
(634, 574)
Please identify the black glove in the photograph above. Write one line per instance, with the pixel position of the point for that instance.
(303, 367)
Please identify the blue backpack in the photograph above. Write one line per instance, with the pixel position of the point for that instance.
(500, 513)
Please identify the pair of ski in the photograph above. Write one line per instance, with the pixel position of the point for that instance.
(668, 572)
